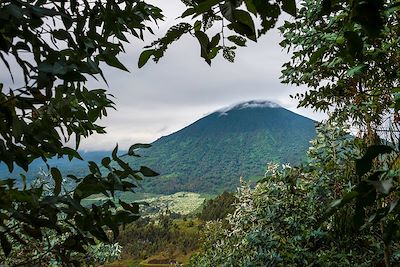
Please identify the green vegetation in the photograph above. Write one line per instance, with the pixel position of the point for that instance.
(51, 48)
(166, 237)
(218, 208)
(171, 234)
(279, 223)
(339, 209)
(242, 141)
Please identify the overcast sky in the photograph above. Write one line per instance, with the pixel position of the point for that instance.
(161, 98)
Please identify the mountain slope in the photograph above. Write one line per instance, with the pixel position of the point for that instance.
(212, 153)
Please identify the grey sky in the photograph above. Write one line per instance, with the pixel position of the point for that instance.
(162, 98)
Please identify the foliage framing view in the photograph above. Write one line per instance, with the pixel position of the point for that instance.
(57, 44)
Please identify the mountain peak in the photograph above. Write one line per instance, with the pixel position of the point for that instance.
(211, 154)
(247, 105)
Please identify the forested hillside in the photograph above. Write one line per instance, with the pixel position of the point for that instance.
(211, 154)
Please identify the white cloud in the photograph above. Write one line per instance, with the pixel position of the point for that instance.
(248, 104)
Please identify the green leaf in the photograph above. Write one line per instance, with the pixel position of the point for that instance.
(243, 25)
(114, 152)
(5, 244)
(93, 167)
(344, 200)
(317, 55)
(67, 22)
(89, 186)
(250, 6)
(57, 177)
(72, 153)
(238, 40)
(21, 159)
(75, 242)
(244, 18)
(14, 11)
(188, 12)
(134, 207)
(356, 70)
(113, 61)
(61, 34)
(131, 151)
(148, 172)
(214, 41)
(106, 161)
(204, 43)
(289, 6)
(227, 10)
(197, 25)
(144, 57)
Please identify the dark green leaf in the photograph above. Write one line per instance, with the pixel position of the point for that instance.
(106, 161)
(93, 167)
(356, 70)
(134, 207)
(61, 34)
(227, 9)
(289, 6)
(197, 25)
(114, 62)
(244, 18)
(114, 153)
(188, 12)
(250, 6)
(72, 153)
(148, 172)
(204, 44)
(5, 244)
(144, 57)
(214, 41)
(131, 151)
(228, 54)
